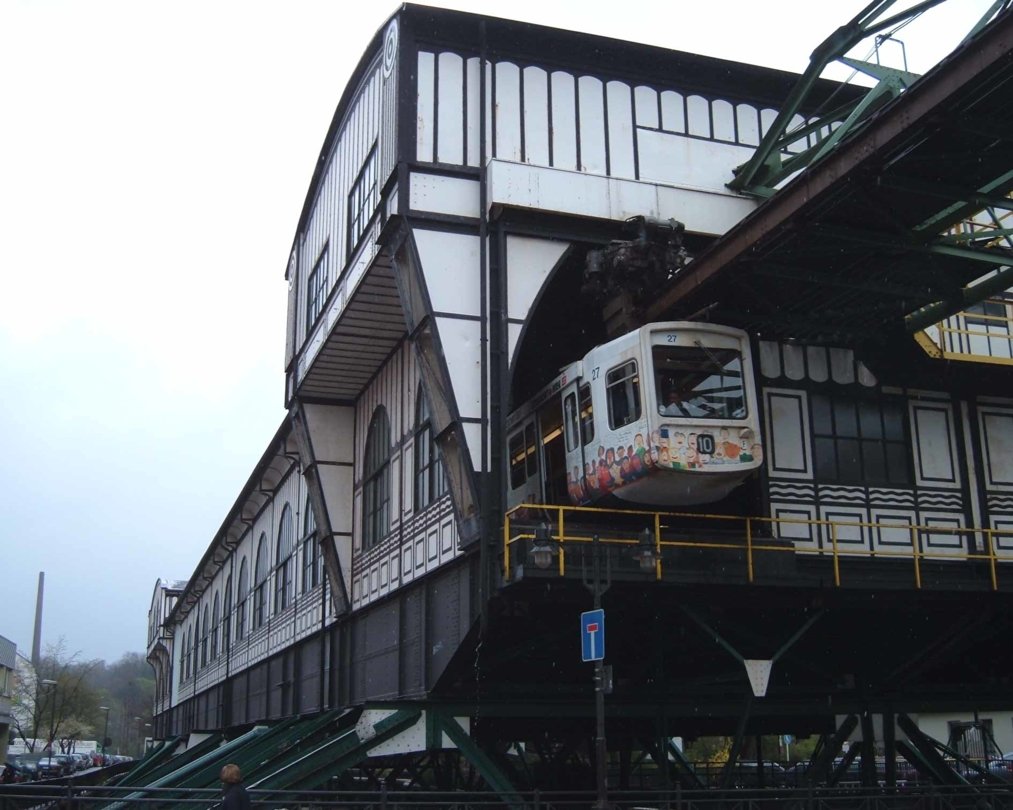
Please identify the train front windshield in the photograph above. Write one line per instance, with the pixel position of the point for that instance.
(699, 382)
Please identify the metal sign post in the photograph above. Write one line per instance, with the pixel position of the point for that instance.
(592, 637)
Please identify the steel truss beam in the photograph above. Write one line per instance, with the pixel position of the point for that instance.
(768, 166)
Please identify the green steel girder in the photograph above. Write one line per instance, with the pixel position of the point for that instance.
(249, 751)
(785, 272)
(768, 166)
(164, 762)
(970, 295)
(841, 766)
(247, 756)
(924, 753)
(668, 758)
(962, 210)
(331, 758)
(292, 740)
(488, 769)
(976, 199)
(890, 84)
(763, 170)
(981, 235)
(829, 747)
(216, 757)
(906, 243)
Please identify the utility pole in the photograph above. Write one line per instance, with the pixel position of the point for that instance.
(598, 585)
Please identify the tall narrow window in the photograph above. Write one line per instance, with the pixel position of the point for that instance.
(216, 620)
(205, 633)
(241, 598)
(586, 416)
(362, 200)
(376, 483)
(182, 657)
(283, 561)
(227, 617)
(316, 289)
(260, 586)
(310, 551)
(430, 482)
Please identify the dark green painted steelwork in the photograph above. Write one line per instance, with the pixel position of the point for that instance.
(768, 166)
(264, 748)
(332, 757)
(924, 753)
(161, 761)
(492, 774)
(933, 313)
(181, 777)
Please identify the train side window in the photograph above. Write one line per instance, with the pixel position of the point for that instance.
(586, 416)
(523, 458)
(516, 450)
(570, 421)
(622, 389)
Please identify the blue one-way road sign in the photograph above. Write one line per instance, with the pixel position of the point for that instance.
(592, 635)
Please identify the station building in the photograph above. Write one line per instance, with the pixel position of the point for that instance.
(435, 279)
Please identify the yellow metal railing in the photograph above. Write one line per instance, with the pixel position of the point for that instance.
(988, 340)
(526, 517)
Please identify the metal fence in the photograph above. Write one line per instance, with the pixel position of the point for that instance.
(966, 797)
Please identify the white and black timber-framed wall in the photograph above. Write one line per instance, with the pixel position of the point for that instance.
(470, 164)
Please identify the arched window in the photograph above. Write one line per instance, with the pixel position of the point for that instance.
(430, 482)
(311, 560)
(260, 583)
(283, 561)
(182, 656)
(216, 620)
(241, 598)
(189, 650)
(227, 616)
(195, 647)
(376, 481)
(205, 629)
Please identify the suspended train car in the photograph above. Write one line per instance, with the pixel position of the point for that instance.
(663, 416)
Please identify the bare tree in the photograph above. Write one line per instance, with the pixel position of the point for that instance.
(54, 701)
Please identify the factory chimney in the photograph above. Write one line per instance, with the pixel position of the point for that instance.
(37, 638)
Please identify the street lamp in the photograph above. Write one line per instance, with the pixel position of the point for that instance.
(647, 552)
(141, 725)
(105, 733)
(544, 548)
(50, 686)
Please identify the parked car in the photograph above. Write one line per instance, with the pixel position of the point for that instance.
(746, 773)
(52, 768)
(28, 767)
(11, 773)
(1003, 768)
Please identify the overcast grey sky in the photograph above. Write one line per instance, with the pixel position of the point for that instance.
(154, 157)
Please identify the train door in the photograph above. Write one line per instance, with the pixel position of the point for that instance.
(574, 433)
(550, 429)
